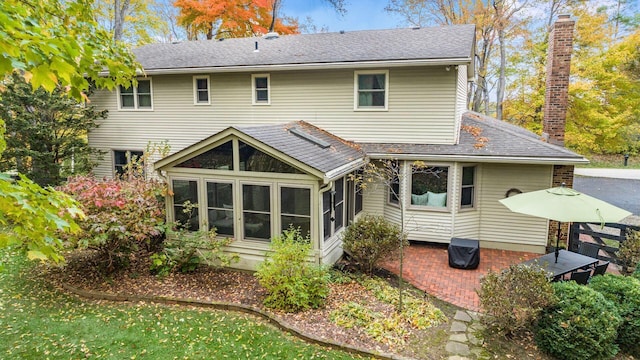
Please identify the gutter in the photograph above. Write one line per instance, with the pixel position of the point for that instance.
(482, 159)
(343, 170)
(307, 66)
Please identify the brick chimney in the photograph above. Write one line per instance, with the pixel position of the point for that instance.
(556, 95)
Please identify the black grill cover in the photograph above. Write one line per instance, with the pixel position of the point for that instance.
(464, 253)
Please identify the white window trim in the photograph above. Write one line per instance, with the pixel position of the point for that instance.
(450, 196)
(355, 90)
(253, 89)
(195, 90)
(135, 98)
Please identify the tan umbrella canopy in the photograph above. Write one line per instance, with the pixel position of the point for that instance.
(564, 205)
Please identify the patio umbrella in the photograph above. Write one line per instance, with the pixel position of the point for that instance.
(564, 204)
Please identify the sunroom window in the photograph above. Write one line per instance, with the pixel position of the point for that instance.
(429, 186)
(220, 207)
(256, 206)
(252, 159)
(218, 158)
(295, 209)
(185, 204)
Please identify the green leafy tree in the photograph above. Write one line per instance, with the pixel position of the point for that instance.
(51, 43)
(46, 132)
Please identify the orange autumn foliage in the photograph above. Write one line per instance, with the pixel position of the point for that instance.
(231, 18)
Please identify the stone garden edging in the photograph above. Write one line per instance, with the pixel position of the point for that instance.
(273, 320)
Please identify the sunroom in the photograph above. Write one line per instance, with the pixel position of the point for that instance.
(251, 183)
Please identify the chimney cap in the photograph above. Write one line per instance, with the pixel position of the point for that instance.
(564, 17)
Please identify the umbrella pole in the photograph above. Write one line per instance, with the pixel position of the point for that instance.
(558, 242)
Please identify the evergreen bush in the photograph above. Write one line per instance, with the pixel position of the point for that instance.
(371, 239)
(581, 325)
(624, 292)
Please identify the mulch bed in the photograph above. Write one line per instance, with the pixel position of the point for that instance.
(229, 286)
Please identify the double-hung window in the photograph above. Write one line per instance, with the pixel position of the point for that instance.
(467, 190)
(260, 84)
(201, 90)
(136, 97)
(371, 90)
(123, 158)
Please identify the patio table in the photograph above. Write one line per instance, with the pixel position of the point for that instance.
(567, 262)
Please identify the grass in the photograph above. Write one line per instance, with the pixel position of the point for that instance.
(38, 321)
(612, 161)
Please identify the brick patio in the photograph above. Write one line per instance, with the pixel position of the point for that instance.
(426, 266)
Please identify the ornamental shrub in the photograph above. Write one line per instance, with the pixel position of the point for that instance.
(184, 251)
(624, 292)
(629, 252)
(581, 325)
(292, 283)
(121, 215)
(513, 298)
(371, 239)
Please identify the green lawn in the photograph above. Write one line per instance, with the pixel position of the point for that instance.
(38, 322)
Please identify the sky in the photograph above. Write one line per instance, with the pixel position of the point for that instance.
(361, 14)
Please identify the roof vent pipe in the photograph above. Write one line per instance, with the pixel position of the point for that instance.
(256, 48)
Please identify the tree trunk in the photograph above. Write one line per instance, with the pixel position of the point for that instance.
(120, 8)
(502, 77)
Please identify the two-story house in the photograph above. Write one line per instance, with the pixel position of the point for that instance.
(266, 131)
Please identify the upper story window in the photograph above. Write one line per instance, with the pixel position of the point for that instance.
(467, 189)
(122, 158)
(201, 90)
(260, 84)
(371, 90)
(429, 186)
(136, 97)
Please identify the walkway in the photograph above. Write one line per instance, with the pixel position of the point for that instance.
(426, 266)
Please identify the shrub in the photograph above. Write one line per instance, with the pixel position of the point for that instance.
(629, 252)
(636, 274)
(292, 283)
(513, 298)
(121, 215)
(185, 250)
(371, 239)
(581, 325)
(624, 292)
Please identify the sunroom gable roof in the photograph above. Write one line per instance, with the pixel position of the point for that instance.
(298, 143)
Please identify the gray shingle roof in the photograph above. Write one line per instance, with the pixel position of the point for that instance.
(325, 159)
(484, 137)
(433, 43)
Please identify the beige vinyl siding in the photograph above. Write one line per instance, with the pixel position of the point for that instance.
(422, 109)
(502, 227)
(461, 97)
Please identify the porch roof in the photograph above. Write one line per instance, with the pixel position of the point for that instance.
(483, 139)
